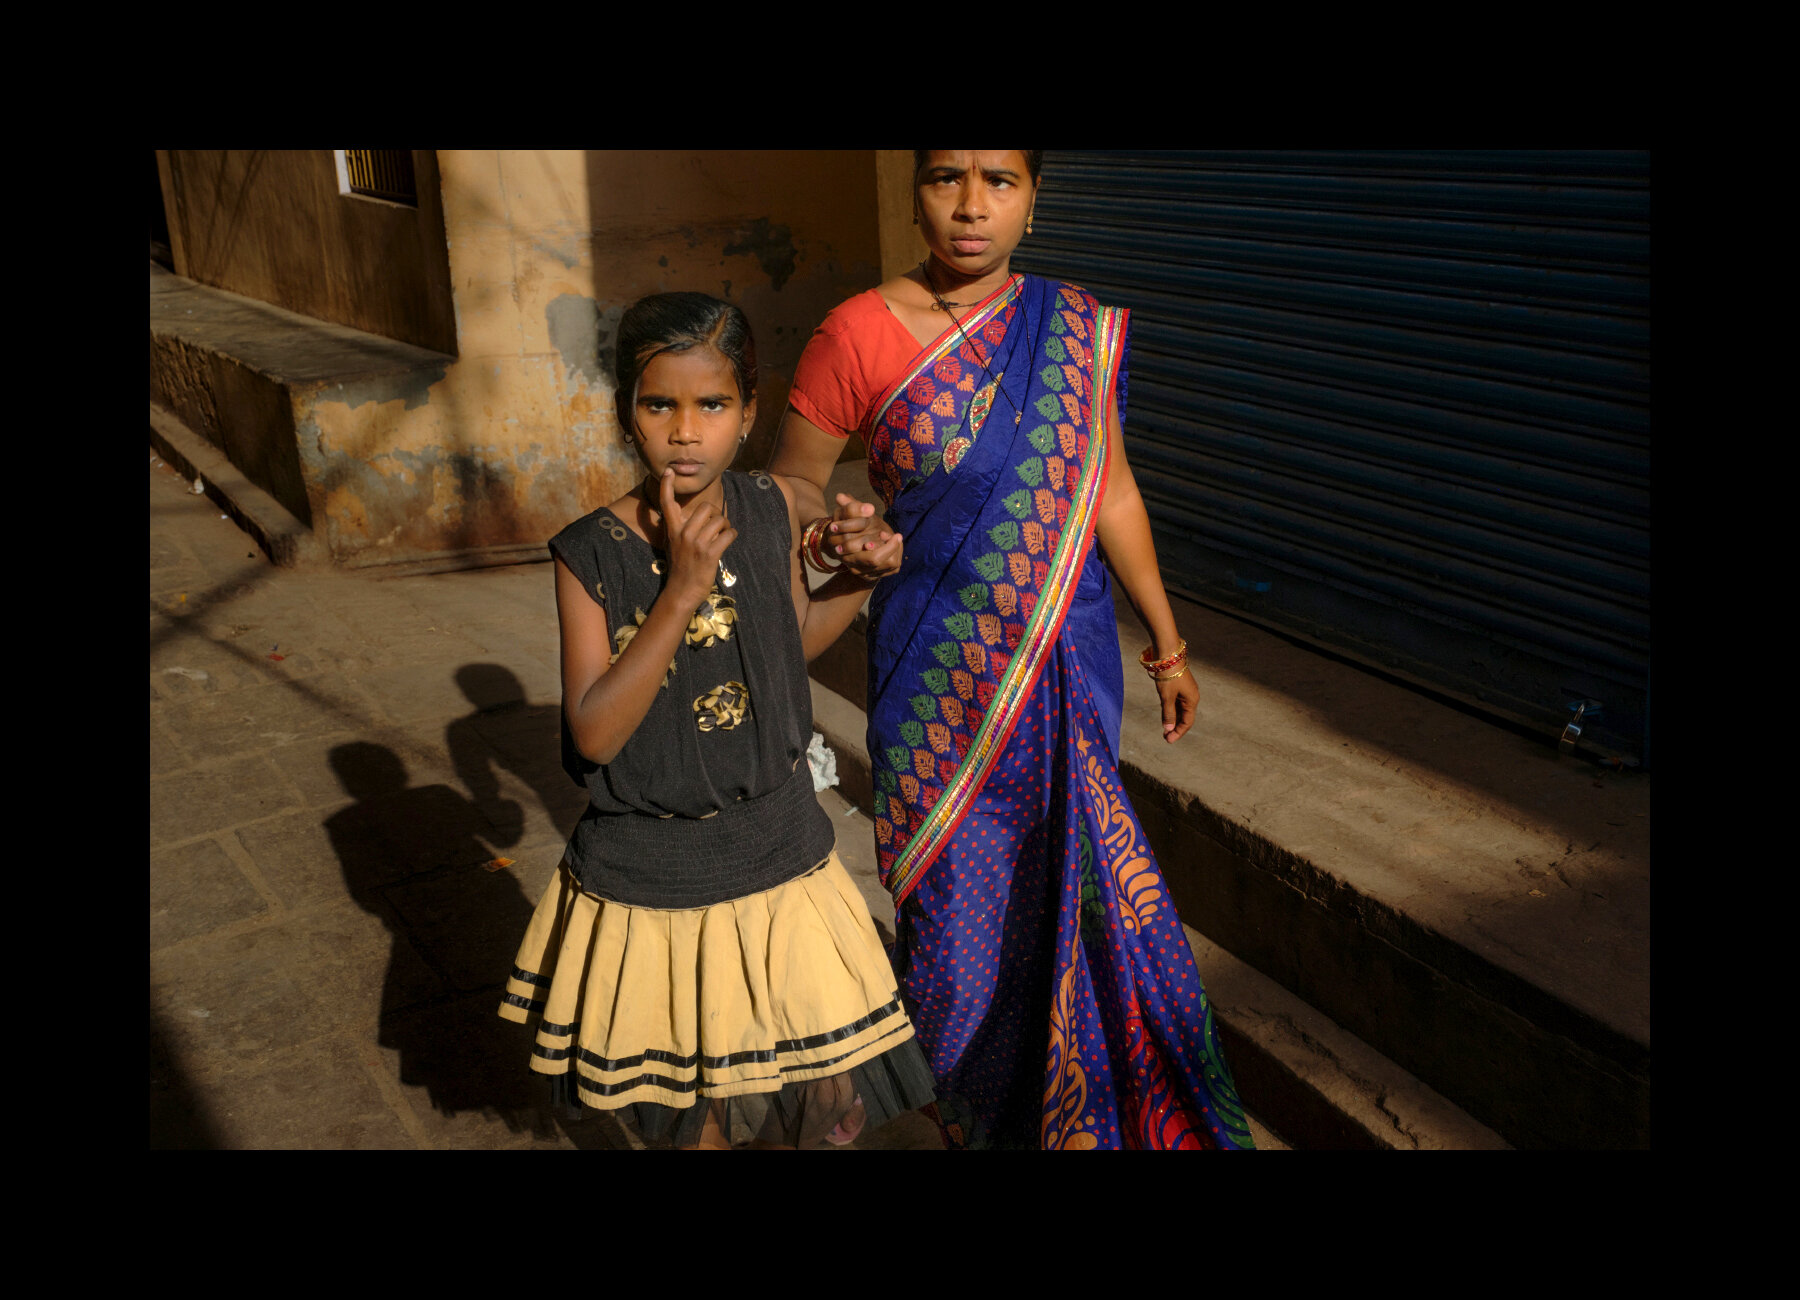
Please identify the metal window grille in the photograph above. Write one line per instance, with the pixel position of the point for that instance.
(382, 174)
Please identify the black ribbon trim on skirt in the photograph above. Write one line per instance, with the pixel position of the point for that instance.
(513, 999)
(557, 1031)
(760, 1057)
(659, 1081)
(643, 1080)
(527, 977)
(820, 1065)
(551, 1053)
(874, 1017)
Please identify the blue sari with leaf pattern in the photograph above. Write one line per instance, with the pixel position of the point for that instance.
(1048, 976)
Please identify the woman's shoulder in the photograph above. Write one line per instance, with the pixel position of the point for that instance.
(855, 313)
(1071, 294)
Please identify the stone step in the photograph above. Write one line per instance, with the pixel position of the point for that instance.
(1308, 1083)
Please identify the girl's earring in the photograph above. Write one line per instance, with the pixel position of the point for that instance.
(1028, 217)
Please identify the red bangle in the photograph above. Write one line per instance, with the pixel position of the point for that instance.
(1155, 666)
(813, 549)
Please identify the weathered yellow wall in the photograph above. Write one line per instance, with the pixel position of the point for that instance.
(546, 250)
(271, 224)
(901, 247)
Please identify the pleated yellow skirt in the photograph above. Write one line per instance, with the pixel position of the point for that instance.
(676, 1006)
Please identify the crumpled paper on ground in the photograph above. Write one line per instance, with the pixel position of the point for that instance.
(822, 762)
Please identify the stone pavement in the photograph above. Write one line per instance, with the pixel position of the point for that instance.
(333, 759)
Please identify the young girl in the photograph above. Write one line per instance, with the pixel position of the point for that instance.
(702, 947)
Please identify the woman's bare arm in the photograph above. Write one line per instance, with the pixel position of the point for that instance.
(824, 614)
(857, 532)
(1124, 532)
(805, 456)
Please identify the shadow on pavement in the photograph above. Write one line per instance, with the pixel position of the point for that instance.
(414, 857)
(508, 732)
(178, 1118)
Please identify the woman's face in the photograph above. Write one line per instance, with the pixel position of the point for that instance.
(973, 206)
(690, 417)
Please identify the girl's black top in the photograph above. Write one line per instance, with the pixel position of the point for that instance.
(711, 798)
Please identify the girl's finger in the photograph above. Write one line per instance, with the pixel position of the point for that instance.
(672, 513)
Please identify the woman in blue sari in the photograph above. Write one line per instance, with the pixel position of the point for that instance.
(1038, 951)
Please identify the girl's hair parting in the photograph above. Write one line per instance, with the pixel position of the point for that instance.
(1034, 162)
(675, 322)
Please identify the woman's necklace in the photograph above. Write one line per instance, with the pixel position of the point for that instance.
(939, 304)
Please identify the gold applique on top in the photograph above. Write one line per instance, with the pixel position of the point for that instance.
(723, 707)
(713, 621)
(622, 638)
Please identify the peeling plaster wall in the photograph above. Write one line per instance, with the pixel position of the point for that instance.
(901, 246)
(547, 248)
(516, 435)
(271, 224)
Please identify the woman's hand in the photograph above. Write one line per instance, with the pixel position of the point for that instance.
(697, 540)
(1180, 700)
(868, 549)
(878, 560)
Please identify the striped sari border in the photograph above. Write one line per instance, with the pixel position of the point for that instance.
(1046, 624)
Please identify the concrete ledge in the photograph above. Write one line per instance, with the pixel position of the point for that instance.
(285, 540)
(1318, 1086)
(339, 429)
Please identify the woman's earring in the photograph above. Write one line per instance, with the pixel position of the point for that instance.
(1028, 217)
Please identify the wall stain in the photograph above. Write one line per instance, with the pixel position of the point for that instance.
(411, 386)
(771, 245)
(584, 335)
(568, 255)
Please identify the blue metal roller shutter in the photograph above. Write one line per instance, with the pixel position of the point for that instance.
(1397, 404)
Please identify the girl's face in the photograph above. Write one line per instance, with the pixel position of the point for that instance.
(973, 206)
(690, 417)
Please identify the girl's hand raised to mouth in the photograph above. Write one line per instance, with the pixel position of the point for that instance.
(697, 538)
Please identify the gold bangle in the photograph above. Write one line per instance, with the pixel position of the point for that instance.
(1169, 677)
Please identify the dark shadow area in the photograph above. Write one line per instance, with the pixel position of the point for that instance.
(414, 857)
(506, 732)
(178, 1118)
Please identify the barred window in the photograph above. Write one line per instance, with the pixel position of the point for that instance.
(385, 174)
